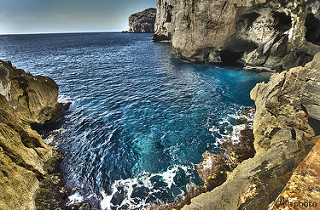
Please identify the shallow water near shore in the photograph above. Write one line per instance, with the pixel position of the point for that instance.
(140, 118)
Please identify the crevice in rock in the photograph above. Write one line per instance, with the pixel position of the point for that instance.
(44, 129)
(293, 134)
(315, 124)
(168, 13)
(29, 142)
(313, 29)
(160, 38)
(4, 173)
(56, 122)
(273, 132)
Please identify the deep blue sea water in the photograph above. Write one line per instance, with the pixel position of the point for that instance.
(140, 118)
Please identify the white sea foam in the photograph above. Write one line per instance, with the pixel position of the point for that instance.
(75, 198)
(236, 133)
(231, 132)
(64, 99)
(51, 138)
(143, 180)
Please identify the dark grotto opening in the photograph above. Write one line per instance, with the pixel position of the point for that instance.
(231, 58)
(282, 22)
(313, 29)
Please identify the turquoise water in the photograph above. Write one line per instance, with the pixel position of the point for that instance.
(140, 118)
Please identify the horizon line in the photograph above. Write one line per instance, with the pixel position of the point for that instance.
(62, 32)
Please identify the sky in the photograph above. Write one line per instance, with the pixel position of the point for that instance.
(58, 16)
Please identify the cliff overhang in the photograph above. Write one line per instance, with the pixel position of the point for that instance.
(270, 34)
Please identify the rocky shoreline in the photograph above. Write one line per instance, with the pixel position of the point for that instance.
(286, 127)
(29, 173)
(273, 160)
(267, 35)
(215, 168)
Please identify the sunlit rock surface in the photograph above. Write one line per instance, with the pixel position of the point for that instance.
(303, 188)
(283, 136)
(274, 34)
(25, 160)
(142, 22)
(33, 98)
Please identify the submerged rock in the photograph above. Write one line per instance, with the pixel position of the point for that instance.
(25, 160)
(283, 136)
(274, 34)
(142, 22)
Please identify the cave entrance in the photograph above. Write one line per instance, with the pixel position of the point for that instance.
(231, 58)
(313, 29)
(282, 22)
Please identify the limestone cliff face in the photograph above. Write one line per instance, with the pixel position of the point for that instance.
(142, 22)
(270, 33)
(285, 128)
(24, 158)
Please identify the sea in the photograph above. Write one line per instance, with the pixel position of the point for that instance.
(140, 117)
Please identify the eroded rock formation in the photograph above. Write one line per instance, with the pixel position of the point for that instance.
(277, 34)
(25, 160)
(285, 130)
(142, 22)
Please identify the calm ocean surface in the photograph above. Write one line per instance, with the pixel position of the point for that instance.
(140, 118)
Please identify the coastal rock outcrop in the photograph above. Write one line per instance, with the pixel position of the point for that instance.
(33, 98)
(273, 34)
(142, 22)
(284, 134)
(25, 160)
(214, 168)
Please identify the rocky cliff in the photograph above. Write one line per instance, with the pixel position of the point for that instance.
(302, 190)
(277, 34)
(286, 127)
(142, 22)
(25, 160)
